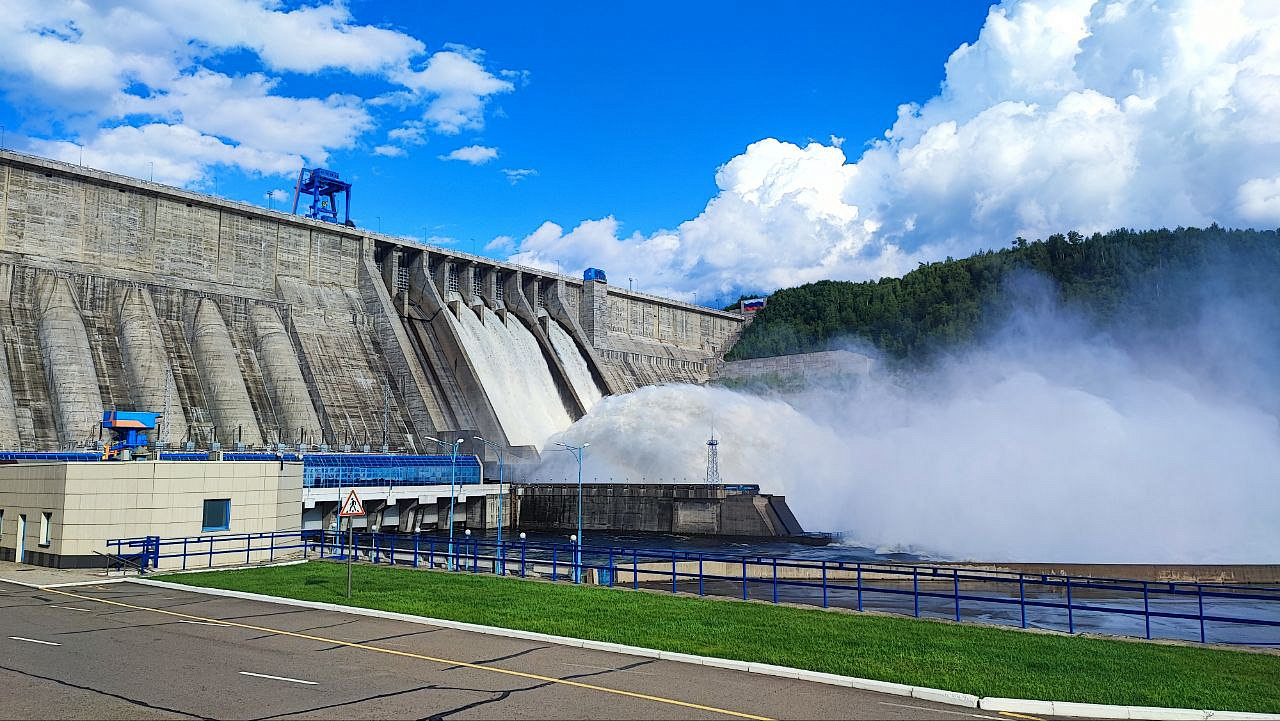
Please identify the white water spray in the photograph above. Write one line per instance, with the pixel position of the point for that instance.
(515, 376)
(1070, 451)
(574, 364)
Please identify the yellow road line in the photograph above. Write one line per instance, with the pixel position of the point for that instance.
(1019, 715)
(408, 654)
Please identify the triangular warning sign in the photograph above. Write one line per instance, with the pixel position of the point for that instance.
(352, 506)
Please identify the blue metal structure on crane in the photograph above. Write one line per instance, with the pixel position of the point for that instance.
(324, 187)
(128, 434)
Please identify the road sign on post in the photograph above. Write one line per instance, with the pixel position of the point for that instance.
(351, 508)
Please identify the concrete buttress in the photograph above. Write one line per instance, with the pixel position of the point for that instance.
(283, 374)
(220, 374)
(146, 365)
(68, 362)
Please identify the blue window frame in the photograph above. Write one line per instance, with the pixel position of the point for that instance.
(217, 514)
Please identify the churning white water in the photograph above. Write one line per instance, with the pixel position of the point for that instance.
(1080, 454)
(515, 376)
(574, 364)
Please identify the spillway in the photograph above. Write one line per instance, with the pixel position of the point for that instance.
(69, 369)
(221, 376)
(515, 375)
(584, 384)
(146, 365)
(284, 377)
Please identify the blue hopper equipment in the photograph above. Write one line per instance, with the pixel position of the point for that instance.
(594, 274)
(129, 434)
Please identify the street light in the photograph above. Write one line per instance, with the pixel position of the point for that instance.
(501, 564)
(577, 452)
(453, 479)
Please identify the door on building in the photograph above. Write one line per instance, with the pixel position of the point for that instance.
(22, 537)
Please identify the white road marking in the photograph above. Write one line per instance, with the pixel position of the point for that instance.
(72, 608)
(938, 710)
(202, 623)
(277, 678)
(34, 640)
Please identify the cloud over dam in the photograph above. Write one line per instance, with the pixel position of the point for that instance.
(1078, 455)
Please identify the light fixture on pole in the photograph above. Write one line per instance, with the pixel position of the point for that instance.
(453, 479)
(502, 566)
(577, 452)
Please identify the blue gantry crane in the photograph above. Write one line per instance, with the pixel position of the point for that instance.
(324, 189)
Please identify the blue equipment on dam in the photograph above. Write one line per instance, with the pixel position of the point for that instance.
(129, 437)
(324, 187)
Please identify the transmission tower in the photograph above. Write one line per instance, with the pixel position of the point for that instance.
(713, 461)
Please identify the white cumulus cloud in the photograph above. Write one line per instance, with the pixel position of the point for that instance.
(1062, 115)
(473, 154)
(182, 86)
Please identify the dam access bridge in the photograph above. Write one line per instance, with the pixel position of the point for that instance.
(250, 328)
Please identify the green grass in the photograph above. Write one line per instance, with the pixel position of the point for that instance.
(972, 659)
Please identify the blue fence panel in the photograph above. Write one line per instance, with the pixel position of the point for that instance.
(1194, 611)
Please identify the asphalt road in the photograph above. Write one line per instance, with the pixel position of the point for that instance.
(130, 651)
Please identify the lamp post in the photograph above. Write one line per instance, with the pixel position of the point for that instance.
(577, 452)
(502, 566)
(453, 479)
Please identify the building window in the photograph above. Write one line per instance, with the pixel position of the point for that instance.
(45, 523)
(217, 514)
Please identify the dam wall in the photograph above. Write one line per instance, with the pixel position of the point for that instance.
(250, 326)
(680, 508)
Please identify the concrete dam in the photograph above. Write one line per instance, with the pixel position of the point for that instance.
(257, 328)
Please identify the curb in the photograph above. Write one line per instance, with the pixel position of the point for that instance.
(953, 698)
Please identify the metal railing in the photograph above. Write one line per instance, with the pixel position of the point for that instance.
(1172, 609)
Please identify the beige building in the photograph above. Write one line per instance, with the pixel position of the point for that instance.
(63, 514)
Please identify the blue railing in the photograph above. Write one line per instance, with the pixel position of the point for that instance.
(322, 470)
(1232, 613)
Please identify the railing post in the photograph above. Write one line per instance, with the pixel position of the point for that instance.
(700, 590)
(824, 584)
(553, 562)
(323, 533)
(673, 571)
(635, 570)
(475, 556)
(391, 557)
(955, 584)
(1200, 603)
(210, 551)
(248, 546)
(775, 579)
(1071, 619)
(744, 578)
(1022, 598)
(431, 553)
(859, 586)
(524, 545)
(915, 588)
(415, 550)
(271, 555)
(184, 554)
(1146, 608)
(611, 574)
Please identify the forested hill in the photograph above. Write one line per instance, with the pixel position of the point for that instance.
(1125, 277)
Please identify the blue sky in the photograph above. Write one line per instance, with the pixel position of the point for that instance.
(704, 149)
(629, 110)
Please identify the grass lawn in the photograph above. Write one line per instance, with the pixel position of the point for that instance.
(971, 659)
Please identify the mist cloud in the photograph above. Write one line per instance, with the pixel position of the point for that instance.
(1054, 440)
